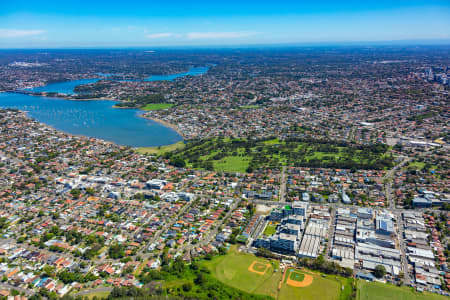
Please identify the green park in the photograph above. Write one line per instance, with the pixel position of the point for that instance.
(246, 155)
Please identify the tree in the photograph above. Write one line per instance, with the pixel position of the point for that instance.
(15, 292)
(178, 162)
(90, 191)
(379, 271)
(200, 280)
(116, 251)
(48, 271)
(187, 286)
(263, 252)
(75, 193)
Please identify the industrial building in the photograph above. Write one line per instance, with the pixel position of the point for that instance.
(315, 234)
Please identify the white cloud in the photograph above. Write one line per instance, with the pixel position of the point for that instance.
(219, 35)
(159, 35)
(14, 33)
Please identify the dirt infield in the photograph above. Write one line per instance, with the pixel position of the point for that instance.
(258, 265)
(307, 280)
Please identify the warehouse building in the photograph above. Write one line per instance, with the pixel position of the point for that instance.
(369, 256)
(315, 234)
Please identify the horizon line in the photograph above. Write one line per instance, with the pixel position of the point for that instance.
(403, 42)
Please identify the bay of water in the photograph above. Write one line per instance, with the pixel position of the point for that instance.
(66, 87)
(96, 118)
(170, 77)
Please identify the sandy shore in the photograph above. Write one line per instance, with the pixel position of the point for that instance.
(167, 124)
(124, 107)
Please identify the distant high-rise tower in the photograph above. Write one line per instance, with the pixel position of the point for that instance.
(430, 74)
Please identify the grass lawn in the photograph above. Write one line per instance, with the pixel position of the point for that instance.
(347, 291)
(321, 288)
(294, 275)
(232, 269)
(381, 291)
(98, 294)
(140, 267)
(272, 142)
(270, 229)
(420, 165)
(417, 164)
(235, 155)
(232, 164)
(161, 149)
(103, 249)
(323, 155)
(157, 106)
(176, 282)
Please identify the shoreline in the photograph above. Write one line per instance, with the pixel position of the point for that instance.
(106, 141)
(89, 99)
(75, 99)
(26, 112)
(165, 123)
(61, 97)
(124, 107)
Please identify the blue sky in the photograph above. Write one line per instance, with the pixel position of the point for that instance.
(129, 23)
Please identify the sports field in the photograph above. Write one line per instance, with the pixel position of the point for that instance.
(259, 267)
(233, 269)
(257, 275)
(309, 286)
(296, 276)
(380, 291)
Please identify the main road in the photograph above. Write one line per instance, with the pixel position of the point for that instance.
(282, 185)
(387, 179)
(401, 231)
(213, 232)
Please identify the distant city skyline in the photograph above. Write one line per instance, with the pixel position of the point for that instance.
(64, 24)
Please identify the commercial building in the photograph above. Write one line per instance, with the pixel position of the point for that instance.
(315, 234)
(156, 184)
(289, 232)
